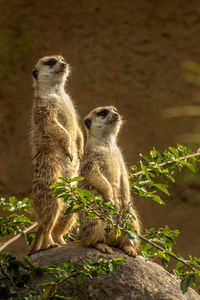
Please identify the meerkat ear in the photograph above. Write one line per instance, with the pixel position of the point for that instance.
(88, 122)
(35, 73)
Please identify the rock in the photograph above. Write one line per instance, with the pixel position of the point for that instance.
(138, 279)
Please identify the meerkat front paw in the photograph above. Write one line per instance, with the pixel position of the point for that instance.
(103, 248)
(130, 250)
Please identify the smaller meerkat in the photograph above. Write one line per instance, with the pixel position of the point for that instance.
(57, 145)
(105, 173)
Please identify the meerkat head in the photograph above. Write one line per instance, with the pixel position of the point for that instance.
(103, 122)
(52, 70)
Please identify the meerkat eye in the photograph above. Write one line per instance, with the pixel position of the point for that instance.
(103, 112)
(50, 62)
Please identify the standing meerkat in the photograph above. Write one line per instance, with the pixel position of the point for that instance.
(105, 173)
(57, 145)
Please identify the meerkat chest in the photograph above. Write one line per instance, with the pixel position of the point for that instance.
(110, 165)
(66, 113)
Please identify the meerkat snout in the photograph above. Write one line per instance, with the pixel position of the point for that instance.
(115, 116)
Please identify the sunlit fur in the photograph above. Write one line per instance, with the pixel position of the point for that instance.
(57, 146)
(105, 173)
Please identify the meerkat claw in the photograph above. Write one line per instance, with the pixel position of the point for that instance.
(103, 248)
(130, 251)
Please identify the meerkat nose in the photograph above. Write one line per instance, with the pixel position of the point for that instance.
(63, 64)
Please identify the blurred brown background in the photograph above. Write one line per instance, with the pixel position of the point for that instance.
(126, 53)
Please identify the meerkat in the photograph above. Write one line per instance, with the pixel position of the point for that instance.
(57, 146)
(105, 173)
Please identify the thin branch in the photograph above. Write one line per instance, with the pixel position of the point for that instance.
(164, 251)
(18, 236)
(167, 162)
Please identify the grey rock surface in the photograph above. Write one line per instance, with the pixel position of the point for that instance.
(138, 279)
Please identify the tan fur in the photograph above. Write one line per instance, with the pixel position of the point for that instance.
(105, 173)
(57, 145)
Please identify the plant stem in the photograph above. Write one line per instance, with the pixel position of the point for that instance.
(4, 245)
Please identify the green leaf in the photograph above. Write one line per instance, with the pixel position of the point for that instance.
(57, 184)
(186, 282)
(193, 168)
(59, 191)
(29, 238)
(170, 177)
(76, 179)
(133, 237)
(157, 198)
(13, 200)
(179, 266)
(67, 265)
(46, 283)
(69, 209)
(12, 289)
(27, 260)
(81, 277)
(76, 209)
(174, 151)
(148, 247)
(162, 187)
(119, 260)
(165, 262)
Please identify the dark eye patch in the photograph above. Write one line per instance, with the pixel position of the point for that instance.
(103, 112)
(35, 73)
(50, 62)
(88, 122)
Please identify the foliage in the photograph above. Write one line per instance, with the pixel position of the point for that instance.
(149, 179)
(16, 274)
(14, 223)
(162, 166)
(78, 199)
